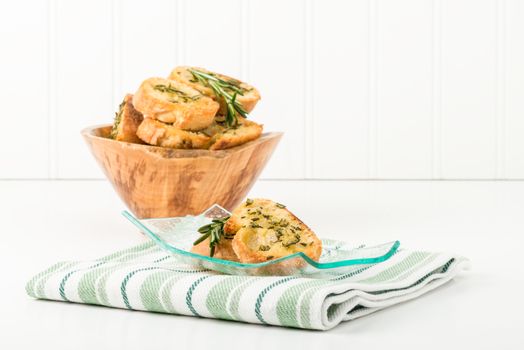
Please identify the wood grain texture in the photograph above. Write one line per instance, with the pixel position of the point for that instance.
(162, 182)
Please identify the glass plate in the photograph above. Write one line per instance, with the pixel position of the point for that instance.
(176, 235)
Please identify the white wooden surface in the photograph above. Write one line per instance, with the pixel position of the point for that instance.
(44, 222)
(399, 89)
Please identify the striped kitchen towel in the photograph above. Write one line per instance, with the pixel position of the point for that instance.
(146, 278)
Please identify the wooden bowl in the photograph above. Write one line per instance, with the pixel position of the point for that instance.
(161, 182)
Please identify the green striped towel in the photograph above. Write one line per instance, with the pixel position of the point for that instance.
(146, 278)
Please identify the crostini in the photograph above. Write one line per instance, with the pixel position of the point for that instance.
(245, 131)
(247, 95)
(157, 133)
(127, 121)
(173, 102)
(264, 230)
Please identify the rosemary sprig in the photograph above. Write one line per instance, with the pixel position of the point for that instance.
(215, 231)
(223, 89)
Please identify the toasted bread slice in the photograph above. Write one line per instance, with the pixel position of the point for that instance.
(223, 250)
(126, 122)
(264, 230)
(156, 133)
(176, 103)
(248, 98)
(245, 131)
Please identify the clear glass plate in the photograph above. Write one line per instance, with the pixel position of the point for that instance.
(176, 235)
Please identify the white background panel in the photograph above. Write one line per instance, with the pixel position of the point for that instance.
(148, 46)
(276, 66)
(514, 89)
(469, 89)
(24, 152)
(84, 89)
(404, 89)
(397, 89)
(340, 116)
(213, 35)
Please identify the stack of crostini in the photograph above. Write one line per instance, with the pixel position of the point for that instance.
(191, 109)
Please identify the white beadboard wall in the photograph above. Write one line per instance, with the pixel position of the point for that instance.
(364, 89)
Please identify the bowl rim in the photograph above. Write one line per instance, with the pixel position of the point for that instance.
(165, 152)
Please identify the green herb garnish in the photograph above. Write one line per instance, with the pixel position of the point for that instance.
(225, 90)
(294, 240)
(215, 231)
(168, 89)
(281, 206)
(118, 119)
(171, 90)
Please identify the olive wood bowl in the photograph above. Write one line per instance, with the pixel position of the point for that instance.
(161, 182)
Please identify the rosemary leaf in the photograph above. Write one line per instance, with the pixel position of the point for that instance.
(215, 231)
(222, 89)
(201, 239)
(118, 119)
(205, 228)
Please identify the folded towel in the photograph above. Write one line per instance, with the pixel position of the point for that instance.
(146, 278)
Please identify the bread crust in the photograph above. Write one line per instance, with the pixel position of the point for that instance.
(264, 230)
(156, 133)
(175, 103)
(248, 100)
(245, 131)
(127, 122)
(223, 250)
